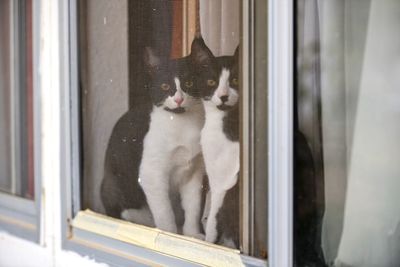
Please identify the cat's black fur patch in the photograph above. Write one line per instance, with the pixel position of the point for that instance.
(228, 216)
(120, 188)
(231, 124)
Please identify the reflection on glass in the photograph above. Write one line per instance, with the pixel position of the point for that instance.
(347, 133)
(16, 106)
(160, 114)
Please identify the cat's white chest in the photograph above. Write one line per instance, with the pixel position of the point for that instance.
(180, 133)
(172, 157)
(221, 155)
(173, 139)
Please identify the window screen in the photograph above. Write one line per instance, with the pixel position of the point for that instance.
(161, 113)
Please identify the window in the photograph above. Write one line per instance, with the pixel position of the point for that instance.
(18, 179)
(16, 89)
(120, 53)
(347, 133)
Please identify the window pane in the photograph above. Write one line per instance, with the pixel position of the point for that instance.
(16, 89)
(155, 127)
(347, 133)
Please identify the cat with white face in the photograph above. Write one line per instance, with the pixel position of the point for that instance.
(162, 153)
(217, 78)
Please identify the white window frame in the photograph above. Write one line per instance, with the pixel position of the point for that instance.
(280, 148)
(20, 216)
(280, 73)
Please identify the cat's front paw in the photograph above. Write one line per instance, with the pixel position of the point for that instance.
(192, 232)
(211, 235)
(197, 235)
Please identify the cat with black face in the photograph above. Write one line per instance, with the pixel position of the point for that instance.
(217, 79)
(154, 151)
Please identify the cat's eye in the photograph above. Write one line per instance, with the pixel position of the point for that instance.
(189, 84)
(235, 81)
(165, 87)
(211, 82)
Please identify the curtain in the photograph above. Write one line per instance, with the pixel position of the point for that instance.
(359, 74)
(371, 227)
(219, 22)
(343, 31)
(334, 122)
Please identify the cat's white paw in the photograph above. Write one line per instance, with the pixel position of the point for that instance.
(192, 232)
(167, 227)
(199, 236)
(196, 235)
(211, 234)
(140, 216)
(227, 242)
(211, 230)
(211, 238)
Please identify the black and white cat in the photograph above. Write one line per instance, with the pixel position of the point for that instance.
(155, 149)
(217, 78)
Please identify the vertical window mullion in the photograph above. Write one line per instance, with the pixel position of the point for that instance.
(18, 98)
(15, 95)
(246, 144)
(75, 107)
(21, 99)
(280, 132)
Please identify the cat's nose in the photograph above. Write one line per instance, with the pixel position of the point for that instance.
(178, 100)
(224, 98)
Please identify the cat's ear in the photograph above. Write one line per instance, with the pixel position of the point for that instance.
(236, 55)
(151, 60)
(200, 54)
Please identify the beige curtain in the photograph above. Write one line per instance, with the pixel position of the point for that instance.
(219, 20)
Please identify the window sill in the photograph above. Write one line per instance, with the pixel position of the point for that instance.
(20, 218)
(174, 245)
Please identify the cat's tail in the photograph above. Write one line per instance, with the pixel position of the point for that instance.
(141, 216)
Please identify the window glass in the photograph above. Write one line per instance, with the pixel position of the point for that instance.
(160, 94)
(347, 133)
(16, 118)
